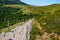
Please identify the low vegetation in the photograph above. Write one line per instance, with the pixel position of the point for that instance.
(35, 31)
(10, 16)
(47, 16)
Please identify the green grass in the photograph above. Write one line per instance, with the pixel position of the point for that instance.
(35, 31)
(11, 27)
(36, 9)
(47, 16)
(50, 22)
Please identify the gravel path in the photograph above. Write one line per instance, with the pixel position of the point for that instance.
(18, 33)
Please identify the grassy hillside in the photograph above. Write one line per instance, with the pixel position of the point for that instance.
(47, 16)
(38, 9)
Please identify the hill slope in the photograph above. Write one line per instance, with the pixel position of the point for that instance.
(37, 9)
(47, 16)
(12, 2)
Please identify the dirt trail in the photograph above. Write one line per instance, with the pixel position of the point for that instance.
(19, 33)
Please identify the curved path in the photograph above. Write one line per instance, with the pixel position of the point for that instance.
(19, 33)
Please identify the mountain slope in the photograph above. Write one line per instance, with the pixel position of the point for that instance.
(12, 2)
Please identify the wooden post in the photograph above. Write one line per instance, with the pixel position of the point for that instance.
(8, 25)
